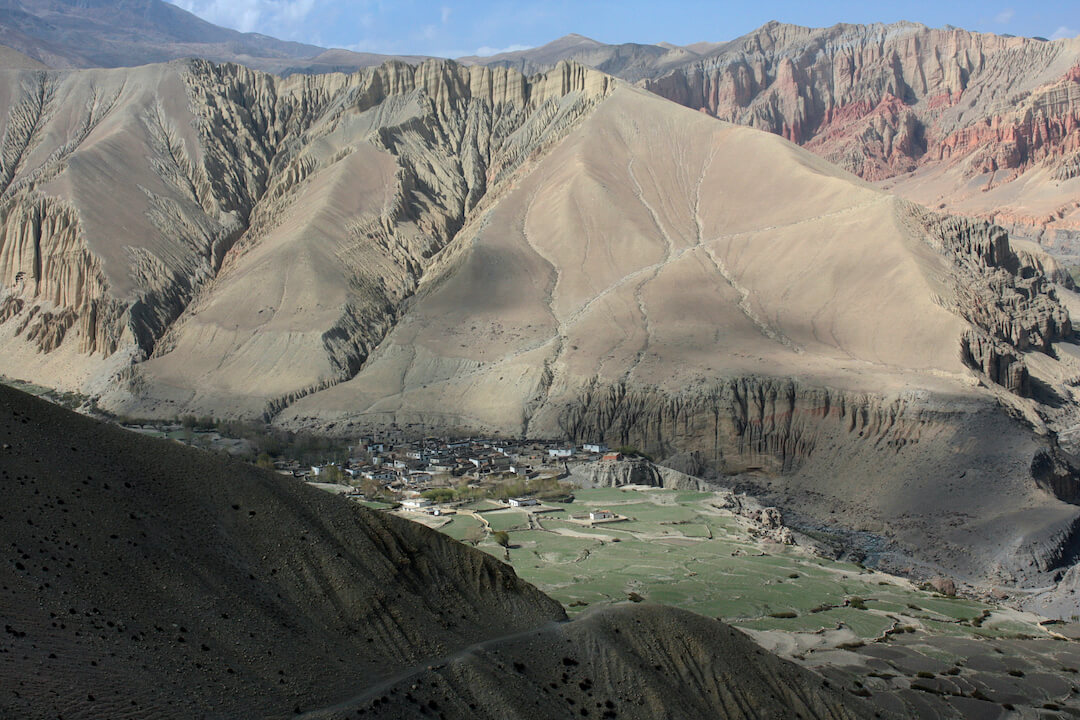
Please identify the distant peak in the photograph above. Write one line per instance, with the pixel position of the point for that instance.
(577, 38)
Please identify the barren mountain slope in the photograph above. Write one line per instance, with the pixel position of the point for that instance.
(978, 123)
(623, 662)
(146, 579)
(464, 249)
(627, 61)
(11, 59)
(586, 272)
(127, 33)
(371, 192)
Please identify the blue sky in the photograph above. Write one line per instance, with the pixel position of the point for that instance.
(453, 29)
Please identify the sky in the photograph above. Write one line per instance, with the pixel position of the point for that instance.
(485, 27)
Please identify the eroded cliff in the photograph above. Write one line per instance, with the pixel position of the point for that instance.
(126, 192)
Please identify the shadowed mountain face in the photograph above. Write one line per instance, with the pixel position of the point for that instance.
(146, 579)
(465, 249)
(142, 575)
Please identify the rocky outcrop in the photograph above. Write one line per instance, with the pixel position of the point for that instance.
(44, 262)
(1052, 471)
(1007, 297)
(633, 471)
(998, 290)
(1044, 127)
(996, 360)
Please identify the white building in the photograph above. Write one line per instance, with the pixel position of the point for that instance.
(601, 515)
(594, 448)
(522, 502)
(561, 452)
(416, 503)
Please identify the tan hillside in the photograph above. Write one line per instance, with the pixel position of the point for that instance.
(631, 288)
(639, 254)
(121, 205)
(977, 123)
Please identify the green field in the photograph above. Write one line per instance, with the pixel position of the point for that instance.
(683, 549)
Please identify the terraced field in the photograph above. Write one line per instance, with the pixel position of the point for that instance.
(686, 549)
(910, 650)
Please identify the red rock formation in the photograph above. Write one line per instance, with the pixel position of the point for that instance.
(881, 100)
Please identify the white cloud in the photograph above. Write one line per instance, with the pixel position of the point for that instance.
(486, 51)
(446, 12)
(272, 17)
(1005, 16)
(1064, 32)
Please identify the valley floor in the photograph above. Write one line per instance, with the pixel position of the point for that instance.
(911, 651)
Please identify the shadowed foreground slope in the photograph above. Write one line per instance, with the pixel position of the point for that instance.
(143, 578)
(153, 577)
(628, 661)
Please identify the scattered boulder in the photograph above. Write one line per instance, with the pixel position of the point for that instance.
(943, 585)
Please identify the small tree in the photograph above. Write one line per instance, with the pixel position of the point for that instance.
(501, 537)
(264, 461)
(371, 488)
(474, 535)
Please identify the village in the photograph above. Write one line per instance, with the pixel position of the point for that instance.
(393, 470)
(434, 476)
